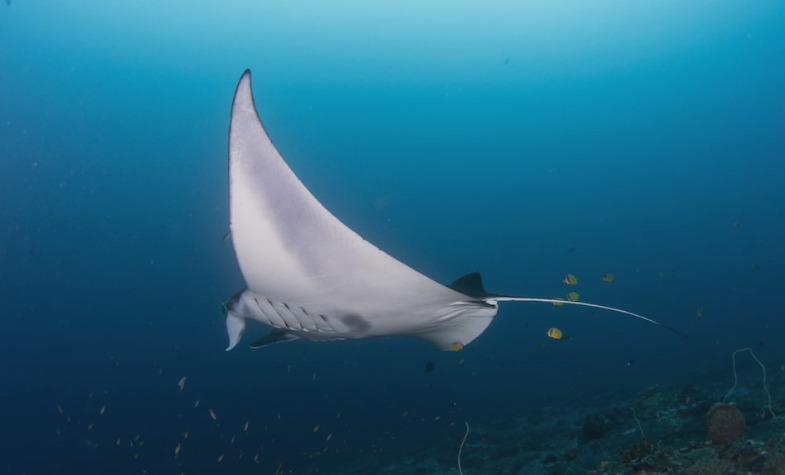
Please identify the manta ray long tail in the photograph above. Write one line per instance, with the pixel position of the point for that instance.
(592, 305)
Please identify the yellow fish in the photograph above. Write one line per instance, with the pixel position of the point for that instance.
(570, 279)
(573, 296)
(608, 278)
(556, 302)
(701, 312)
(555, 333)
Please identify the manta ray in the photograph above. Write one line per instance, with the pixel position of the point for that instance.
(309, 276)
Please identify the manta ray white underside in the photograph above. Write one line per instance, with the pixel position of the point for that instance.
(309, 276)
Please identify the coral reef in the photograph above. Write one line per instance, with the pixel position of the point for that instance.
(686, 432)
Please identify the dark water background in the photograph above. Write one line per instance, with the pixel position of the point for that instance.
(524, 140)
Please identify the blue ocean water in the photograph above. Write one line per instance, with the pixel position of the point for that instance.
(525, 140)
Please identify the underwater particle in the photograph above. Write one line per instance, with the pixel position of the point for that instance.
(631, 363)
(231, 441)
(554, 333)
(119, 441)
(429, 366)
(313, 377)
(90, 426)
(608, 278)
(181, 383)
(329, 436)
(573, 296)
(557, 302)
(185, 435)
(570, 279)
(220, 458)
(227, 235)
(461, 361)
(59, 409)
(245, 426)
(316, 428)
(177, 449)
(196, 403)
(725, 423)
(103, 410)
(256, 458)
(701, 312)
(213, 415)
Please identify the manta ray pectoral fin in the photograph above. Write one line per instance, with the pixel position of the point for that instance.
(307, 272)
(276, 336)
